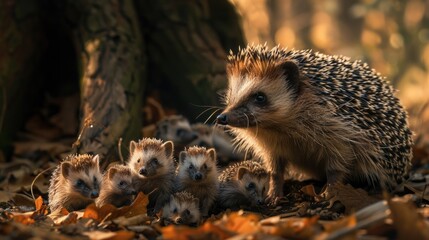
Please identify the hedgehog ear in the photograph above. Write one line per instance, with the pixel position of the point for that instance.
(196, 201)
(96, 160)
(240, 173)
(182, 156)
(133, 146)
(65, 169)
(169, 148)
(212, 154)
(111, 173)
(291, 71)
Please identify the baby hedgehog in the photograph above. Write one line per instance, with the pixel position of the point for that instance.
(118, 188)
(331, 118)
(197, 174)
(153, 164)
(175, 128)
(243, 184)
(213, 137)
(75, 183)
(183, 208)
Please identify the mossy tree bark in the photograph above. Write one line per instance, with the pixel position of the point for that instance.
(111, 47)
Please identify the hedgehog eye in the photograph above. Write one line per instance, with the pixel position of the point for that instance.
(175, 210)
(191, 166)
(179, 132)
(80, 183)
(122, 183)
(138, 160)
(205, 166)
(251, 186)
(155, 160)
(187, 212)
(260, 98)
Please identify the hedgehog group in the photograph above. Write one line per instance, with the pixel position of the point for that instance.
(333, 119)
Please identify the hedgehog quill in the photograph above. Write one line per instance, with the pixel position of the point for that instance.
(326, 116)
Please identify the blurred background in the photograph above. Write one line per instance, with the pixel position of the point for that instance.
(392, 36)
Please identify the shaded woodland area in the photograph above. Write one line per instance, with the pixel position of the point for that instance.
(76, 76)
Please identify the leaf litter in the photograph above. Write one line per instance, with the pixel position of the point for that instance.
(353, 213)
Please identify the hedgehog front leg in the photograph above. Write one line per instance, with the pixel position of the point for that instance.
(277, 170)
(334, 177)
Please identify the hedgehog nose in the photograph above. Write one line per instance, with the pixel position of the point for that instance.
(94, 194)
(143, 171)
(179, 220)
(222, 119)
(198, 176)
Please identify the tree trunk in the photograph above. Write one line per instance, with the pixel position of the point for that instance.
(111, 47)
(187, 44)
(22, 45)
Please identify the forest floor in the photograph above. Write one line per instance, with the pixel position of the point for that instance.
(302, 214)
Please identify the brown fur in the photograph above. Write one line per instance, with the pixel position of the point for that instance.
(158, 181)
(321, 114)
(64, 190)
(117, 188)
(197, 174)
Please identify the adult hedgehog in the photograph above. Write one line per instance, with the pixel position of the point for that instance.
(331, 118)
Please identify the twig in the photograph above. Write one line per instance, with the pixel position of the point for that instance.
(34, 180)
(88, 123)
(120, 151)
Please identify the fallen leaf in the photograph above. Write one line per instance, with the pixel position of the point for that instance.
(38, 203)
(24, 219)
(70, 218)
(301, 228)
(109, 212)
(131, 221)
(119, 235)
(239, 223)
(408, 223)
(352, 198)
(207, 230)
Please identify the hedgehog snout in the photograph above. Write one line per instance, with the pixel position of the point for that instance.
(143, 171)
(222, 119)
(198, 176)
(94, 194)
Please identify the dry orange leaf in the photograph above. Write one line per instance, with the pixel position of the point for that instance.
(109, 212)
(38, 203)
(71, 218)
(301, 228)
(240, 223)
(208, 229)
(407, 221)
(101, 235)
(24, 219)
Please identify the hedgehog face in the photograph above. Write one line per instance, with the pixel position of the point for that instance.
(84, 181)
(204, 135)
(176, 129)
(182, 211)
(255, 187)
(259, 92)
(120, 180)
(152, 160)
(197, 166)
